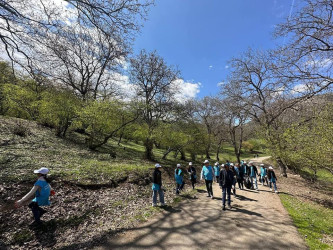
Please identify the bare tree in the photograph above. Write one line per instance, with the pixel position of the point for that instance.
(306, 58)
(153, 80)
(26, 26)
(206, 111)
(255, 83)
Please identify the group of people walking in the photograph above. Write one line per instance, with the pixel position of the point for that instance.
(226, 175)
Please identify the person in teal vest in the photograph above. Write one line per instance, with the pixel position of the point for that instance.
(263, 174)
(157, 186)
(217, 171)
(179, 177)
(42, 191)
(207, 173)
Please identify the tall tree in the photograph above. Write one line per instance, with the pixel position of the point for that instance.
(154, 83)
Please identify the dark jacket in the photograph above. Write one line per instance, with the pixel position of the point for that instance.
(255, 170)
(157, 177)
(270, 174)
(226, 178)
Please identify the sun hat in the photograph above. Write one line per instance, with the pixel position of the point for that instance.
(190, 163)
(251, 162)
(222, 165)
(216, 164)
(157, 165)
(206, 161)
(41, 171)
(270, 167)
(231, 164)
(178, 165)
(262, 164)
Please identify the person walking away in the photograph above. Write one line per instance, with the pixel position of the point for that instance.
(272, 178)
(253, 172)
(263, 174)
(226, 180)
(42, 191)
(207, 173)
(193, 174)
(239, 178)
(233, 188)
(157, 186)
(179, 177)
(217, 171)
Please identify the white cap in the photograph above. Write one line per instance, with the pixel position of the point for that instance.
(41, 171)
(190, 163)
(262, 164)
(206, 161)
(231, 164)
(251, 162)
(244, 162)
(216, 163)
(222, 165)
(270, 167)
(157, 165)
(178, 165)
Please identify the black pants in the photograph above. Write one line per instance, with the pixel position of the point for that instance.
(217, 178)
(193, 181)
(240, 183)
(36, 211)
(209, 186)
(179, 187)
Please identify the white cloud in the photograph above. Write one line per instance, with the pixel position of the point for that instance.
(186, 90)
(299, 88)
(226, 67)
(220, 84)
(210, 67)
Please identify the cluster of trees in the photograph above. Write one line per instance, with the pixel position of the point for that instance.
(72, 53)
(275, 86)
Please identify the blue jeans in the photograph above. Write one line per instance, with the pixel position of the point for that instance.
(226, 190)
(161, 194)
(255, 181)
(274, 183)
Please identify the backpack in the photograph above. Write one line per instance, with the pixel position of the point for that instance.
(248, 183)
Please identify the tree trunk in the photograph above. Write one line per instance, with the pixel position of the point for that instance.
(120, 137)
(282, 166)
(193, 156)
(166, 153)
(182, 155)
(149, 145)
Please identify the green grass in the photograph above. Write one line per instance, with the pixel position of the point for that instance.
(314, 222)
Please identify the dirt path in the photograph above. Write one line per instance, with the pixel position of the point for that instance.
(257, 220)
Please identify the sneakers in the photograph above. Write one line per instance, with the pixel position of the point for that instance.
(223, 208)
(208, 195)
(212, 197)
(276, 192)
(154, 205)
(163, 205)
(229, 206)
(270, 189)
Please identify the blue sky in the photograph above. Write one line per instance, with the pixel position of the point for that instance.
(200, 36)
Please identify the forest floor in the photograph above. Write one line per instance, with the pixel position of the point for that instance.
(257, 220)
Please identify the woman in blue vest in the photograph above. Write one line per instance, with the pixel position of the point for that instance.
(157, 186)
(179, 177)
(217, 171)
(207, 173)
(41, 190)
(263, 174)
